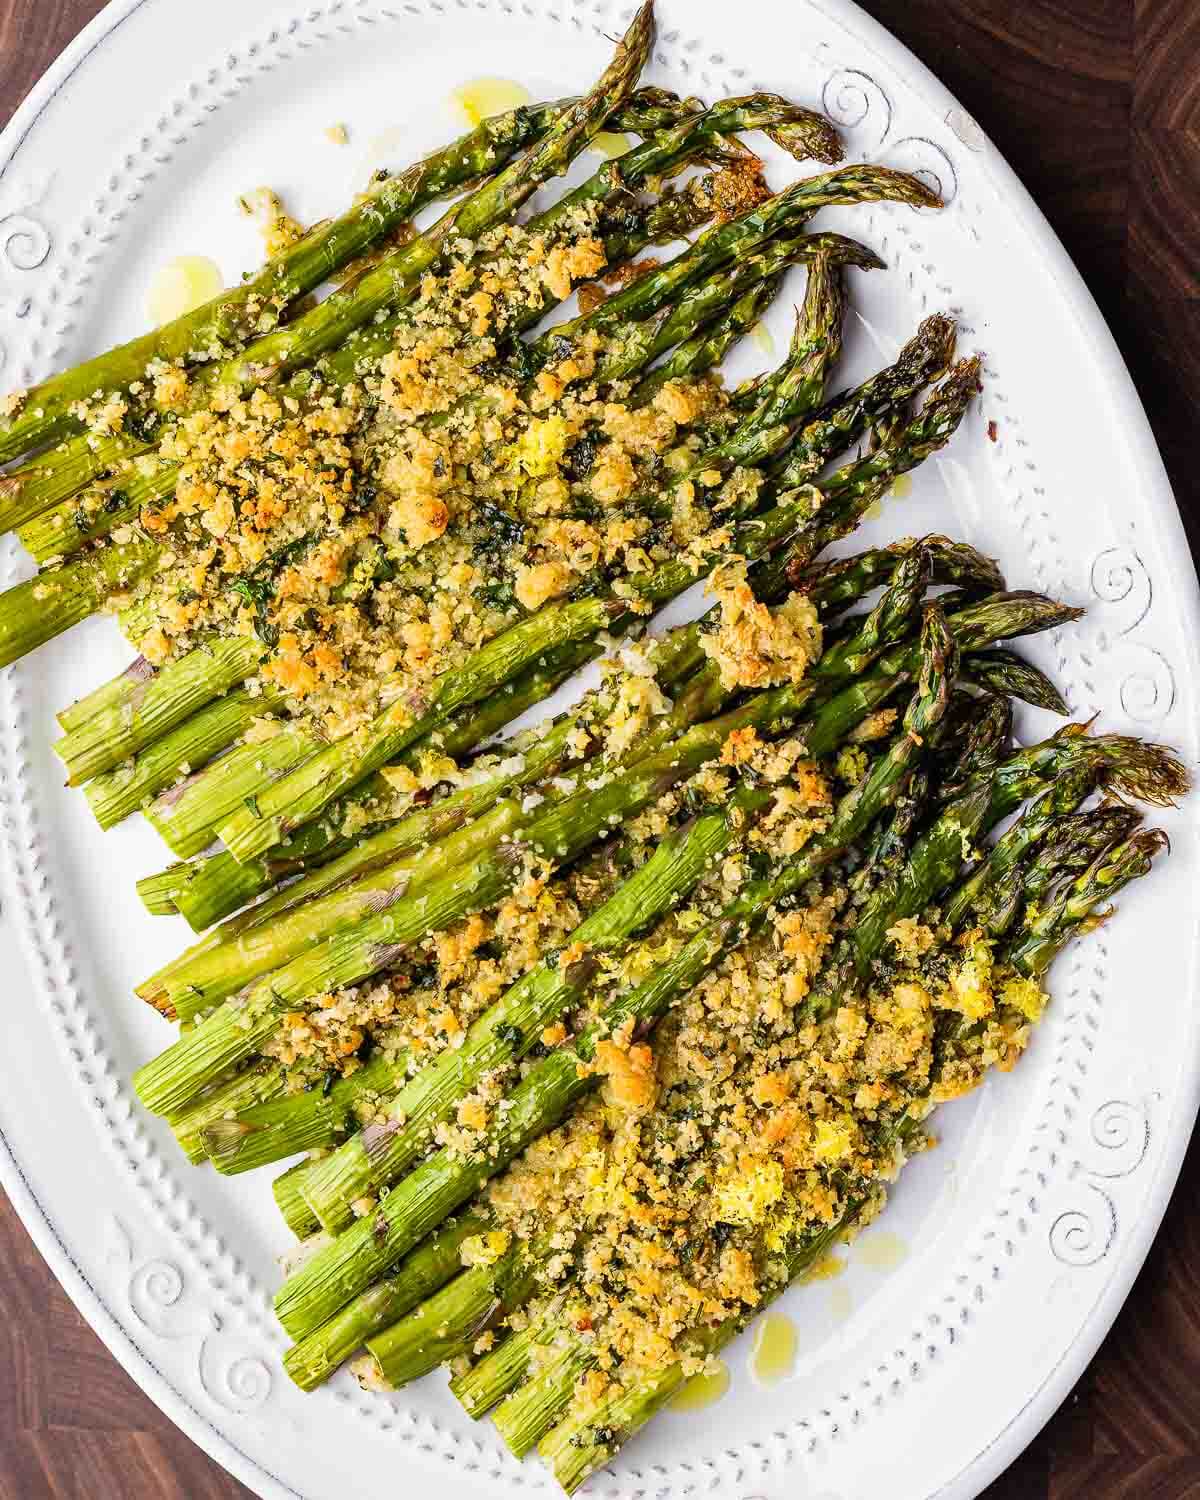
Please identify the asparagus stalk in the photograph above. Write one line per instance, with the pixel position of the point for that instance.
(346, 1266)
(531, 1412)
(187, 819)
(505, 1367)
(220, 886)
(765, 893)
(1075, 909)
(141, 709)
(313, 1359)
(253, 1085)
(275, 1128)
(1036, 687)
(841, 422)
(158, 891)
(328, 324)
(56, 475)
(1145, 772)
(1072, 845)
(209, 973)
(889, 616)
(34, 612)
(185, 815)
(61, 529)
(562, 832)
(57, 530)
(338, 911)
(528, 1415)
(291, 1203)
(1043, 814)
(856, 184)
(447, 1323)
(119, 792)
(283, 926)
(225, 1038)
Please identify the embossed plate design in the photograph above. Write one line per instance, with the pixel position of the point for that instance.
(1011, 1247)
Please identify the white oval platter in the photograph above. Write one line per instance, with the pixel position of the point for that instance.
(1010, 1248)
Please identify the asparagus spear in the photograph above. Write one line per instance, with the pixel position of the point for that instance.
(281, 1115)
(187, 818)
(185, 814)
(279, 1127)
(291, 1203)
(836, 427)
(1072, 845)
(676, 656)
(351, 903)
(144, 708)
(306, 336)
(1075, 910)
(889, 615)
(28, 627)
(214, 728)
(346, 1266)
(563, 1377)
(34, 612)
(1036, 687)
(714, 248)
(373, 943)
(311, 1361)
(505, 1368)
(439, 1327)
(1147, 773)
(209, 889)
(253, 1085)
(532, 1411)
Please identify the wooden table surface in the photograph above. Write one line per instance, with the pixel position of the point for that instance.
(1096, 103)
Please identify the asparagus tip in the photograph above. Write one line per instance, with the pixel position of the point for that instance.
(931, 348)
(810, 137)
(1144, 771)
(840, 249)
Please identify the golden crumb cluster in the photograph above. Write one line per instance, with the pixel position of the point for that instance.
(373, 522)
(770, 1107)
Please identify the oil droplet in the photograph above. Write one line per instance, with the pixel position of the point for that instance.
(480, 98)
(826, 1269)
(841, 1303)
(881, 1251)
(901, 486)
(774, 1354)
(763, 337)
(181, 285)
(609, 143)
(702, 1390)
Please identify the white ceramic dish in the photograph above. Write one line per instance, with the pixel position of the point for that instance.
(1021, 1236)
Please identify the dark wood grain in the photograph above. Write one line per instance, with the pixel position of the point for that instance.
(1096, 103)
